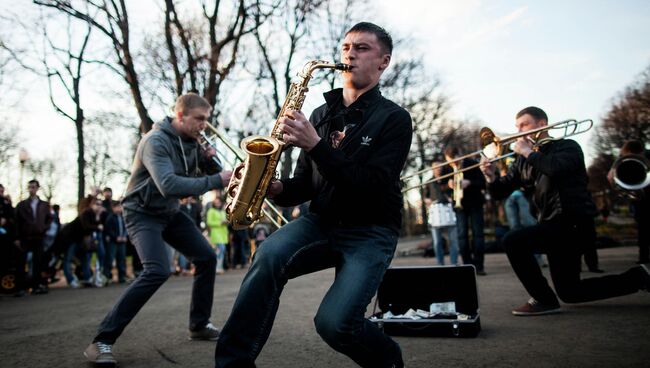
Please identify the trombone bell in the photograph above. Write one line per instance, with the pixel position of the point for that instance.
(490, 143)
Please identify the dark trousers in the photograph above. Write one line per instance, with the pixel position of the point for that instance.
(148, 234)
(115, 252)
(240, 249)
(563, 240)
(472, 253)
(360, 256)
(36, 247)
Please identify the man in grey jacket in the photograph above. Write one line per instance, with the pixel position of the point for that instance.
(167, 166)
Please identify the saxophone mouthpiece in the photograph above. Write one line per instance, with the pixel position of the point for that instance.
(343, 67)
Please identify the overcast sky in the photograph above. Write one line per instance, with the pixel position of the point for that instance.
(493, 57)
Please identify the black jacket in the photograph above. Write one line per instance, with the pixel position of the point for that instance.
(112, 227)
(358, 182)
(472, 195)
(555, 180)
(30, 226)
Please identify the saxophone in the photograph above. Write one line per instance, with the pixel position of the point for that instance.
(251, 179)
(458, 186)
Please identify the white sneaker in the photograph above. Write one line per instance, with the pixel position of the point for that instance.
(75, 284)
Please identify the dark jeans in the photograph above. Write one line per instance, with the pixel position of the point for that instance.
(475, 254)
(563, 240)
(360, 256)
(115, 251)
(241, 250)
(148, 234)
(36, 247)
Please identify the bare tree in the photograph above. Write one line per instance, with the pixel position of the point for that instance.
(628, 117)
(8, 143)
(49, 175)
(110, 18)
(107, 155)
(278, 64)
(62, 66)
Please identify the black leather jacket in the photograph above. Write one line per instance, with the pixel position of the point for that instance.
(554, 179)
(357, 183)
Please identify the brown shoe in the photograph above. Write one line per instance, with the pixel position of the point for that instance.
(534, 308)
(100, 354)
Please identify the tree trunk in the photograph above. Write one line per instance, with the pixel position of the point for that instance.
(81, 161)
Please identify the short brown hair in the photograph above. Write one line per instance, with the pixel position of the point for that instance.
(383, 37)
(190, 101)
(535, 112)
(451, 151)
(632, 147)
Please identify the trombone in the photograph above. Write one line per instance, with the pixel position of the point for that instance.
(211, 140)
(493, 146)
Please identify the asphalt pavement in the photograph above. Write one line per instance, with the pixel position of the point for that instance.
(53, 330)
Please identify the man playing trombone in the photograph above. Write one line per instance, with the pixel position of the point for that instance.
(554, 174)
(168, 165)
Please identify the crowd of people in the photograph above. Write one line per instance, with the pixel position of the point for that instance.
(92, 249)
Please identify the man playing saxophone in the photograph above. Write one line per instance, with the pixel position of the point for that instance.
(353, 150)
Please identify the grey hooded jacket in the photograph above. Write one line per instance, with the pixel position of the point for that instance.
(165, 169)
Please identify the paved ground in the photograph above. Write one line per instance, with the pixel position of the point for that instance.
(52, 330)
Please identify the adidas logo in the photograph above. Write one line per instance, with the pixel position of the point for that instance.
(365, 141)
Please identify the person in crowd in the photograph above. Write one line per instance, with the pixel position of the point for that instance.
(441, 194)
(640, 200)
(10, 253)
(51, 257)
(217, 224)
(88, 200)
(169, 164)
(116, 238)
(107, 200)
(75, 240)
(192, 208)
(33, 218)
(353, 150)
(556, 176)
(468, 201)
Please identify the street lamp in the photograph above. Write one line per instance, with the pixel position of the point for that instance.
(23, 156)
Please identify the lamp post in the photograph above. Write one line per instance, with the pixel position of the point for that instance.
(23, 156)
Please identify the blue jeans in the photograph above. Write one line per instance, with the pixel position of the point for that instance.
(453, 244)
(67, 262)
(518, 211)
(475, 254)
(360, 256)
(149, 235)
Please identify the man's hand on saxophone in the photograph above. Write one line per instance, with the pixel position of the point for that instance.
(297, 130)
(275, 188)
